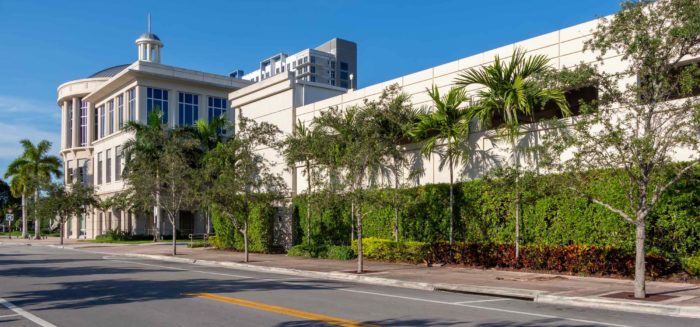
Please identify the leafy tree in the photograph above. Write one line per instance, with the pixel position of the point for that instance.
(444, 132)
(240, 177)
(395, 116)
(360, 152)
(143, 158)
(61, 202)
(19, 187)
(34, 168)
(511, 95)
(173, 182)
(646, 114)
(210, 134)
(304, 145)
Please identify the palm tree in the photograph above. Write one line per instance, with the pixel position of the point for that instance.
(148, 144)
(444, 132)
(19, 187)
(33, 167)
(302, 146)
(511, 95)
(210, 134)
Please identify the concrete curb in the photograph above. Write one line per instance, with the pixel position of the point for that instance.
(621, 305)
(526, 294)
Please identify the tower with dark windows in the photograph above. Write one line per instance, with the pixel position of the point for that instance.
(149, 45)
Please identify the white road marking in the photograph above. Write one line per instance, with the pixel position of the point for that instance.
(479, 301)
(461, 304)
(25, 314)
(8, 316)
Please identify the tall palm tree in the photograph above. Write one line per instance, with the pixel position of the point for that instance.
(19, 186)
(302, 146)
(148, 144)
(34, 167)
(512, 95)
(444, 132)
(210, 134)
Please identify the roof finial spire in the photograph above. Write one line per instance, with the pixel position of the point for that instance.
(149, 22)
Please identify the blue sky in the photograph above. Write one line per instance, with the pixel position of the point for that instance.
(46, 43)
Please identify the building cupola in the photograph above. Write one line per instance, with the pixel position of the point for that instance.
(149, 45)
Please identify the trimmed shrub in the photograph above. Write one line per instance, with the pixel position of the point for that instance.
(691, 265)
(388, 250)
(339, 252)
(260, 230)
(551, 214)
(572, 259)
(309, 251)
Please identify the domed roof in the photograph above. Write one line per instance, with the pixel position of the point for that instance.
(149, 36)
(109, 72)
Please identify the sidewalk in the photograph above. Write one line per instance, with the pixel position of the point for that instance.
(666, 298)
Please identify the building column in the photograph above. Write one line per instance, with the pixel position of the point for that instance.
(76, 122)
(64, 124)
(148, 52)
(140, 105)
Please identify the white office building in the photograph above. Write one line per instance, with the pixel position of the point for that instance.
(280, 92)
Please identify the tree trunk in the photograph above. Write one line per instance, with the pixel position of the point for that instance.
(452, 203)
(516, 158)
(396, 209)
(352, 221)
(640, 260)
(308, 204)
(360, 264)
(245, 240)
(37, 220)
(208, 221)
(24, 216)
(156, 210)
(60, 232)
(174, 237)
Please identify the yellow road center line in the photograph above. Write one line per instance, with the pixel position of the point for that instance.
(282, 310)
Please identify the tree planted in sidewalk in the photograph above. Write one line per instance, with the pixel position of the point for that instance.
(240, 177)
(361, 153)
(62, 202)
(143, 158)
(511, 96)
(648, 113)
(445, 132)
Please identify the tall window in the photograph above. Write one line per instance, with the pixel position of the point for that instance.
(108, 166)
(188, 105)
(69, 172)
(120, 112)
(118, 163)
(99, 168)
(96, 124)
(217, 108)
(102, 121)
(83, 122)
(69, 126)
(110, 121)
(157, 99)
(131, 94)
(82, 171)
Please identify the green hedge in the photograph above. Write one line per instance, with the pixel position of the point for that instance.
(388, 250)
(260, 230)
(551, 215)
(334, 252)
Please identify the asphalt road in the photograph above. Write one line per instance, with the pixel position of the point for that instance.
(42, 286)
